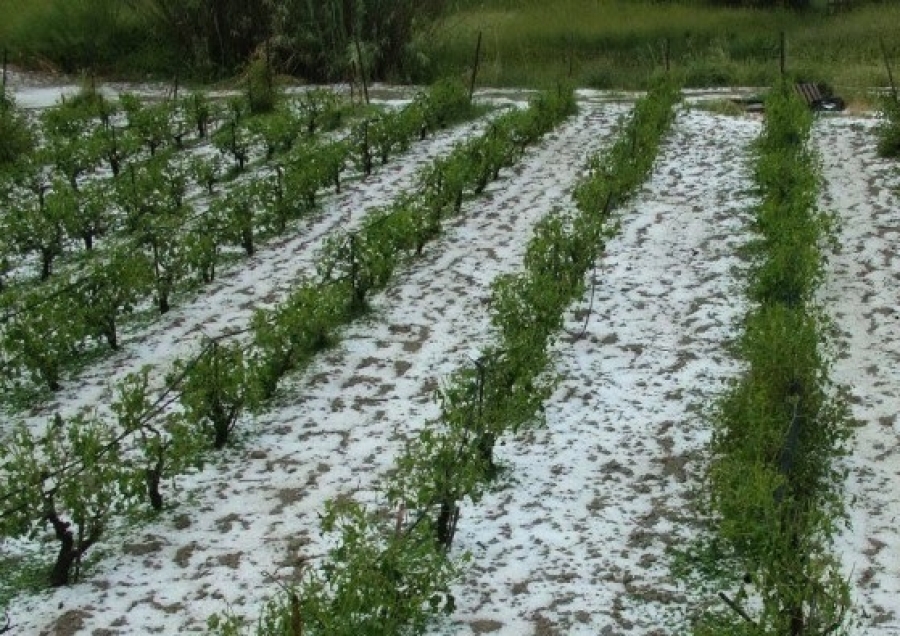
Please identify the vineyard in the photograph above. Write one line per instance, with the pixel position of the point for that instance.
(556, 363)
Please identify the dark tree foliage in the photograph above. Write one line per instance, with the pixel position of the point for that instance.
(316, 40)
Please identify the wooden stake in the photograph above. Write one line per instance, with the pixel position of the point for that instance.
(5, 64)
(475, 67)
(362, 69)
(887, 65)
(667, 54)
(782, 57)
(269, 73)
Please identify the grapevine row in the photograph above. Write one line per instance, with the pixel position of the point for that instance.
(774, 485)
(391, 574)
(79, 474)
(167, 240)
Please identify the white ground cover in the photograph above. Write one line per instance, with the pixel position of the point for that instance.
(252, 516)
(860, 294)
(574, 539)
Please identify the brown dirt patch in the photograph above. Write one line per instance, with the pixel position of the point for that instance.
(69, 624)
(183, 554)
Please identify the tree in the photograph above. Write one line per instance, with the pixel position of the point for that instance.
(87, 212)
(42, 335)
(16, 136)
(37, 224)
(214, 390)
(69, 479)
(166, 445)
(112, 286)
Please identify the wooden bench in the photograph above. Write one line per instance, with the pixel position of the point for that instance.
(819, 97)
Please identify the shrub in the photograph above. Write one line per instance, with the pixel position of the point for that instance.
(16, 136)
(889, 130)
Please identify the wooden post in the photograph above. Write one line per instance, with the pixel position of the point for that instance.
(887, 65)
(783, 54)
(269, 73)
(475, 67)
(668, 54)
(362, 69)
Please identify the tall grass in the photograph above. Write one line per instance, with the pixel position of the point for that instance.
(83, 35)
(598, 43)
(618, 43)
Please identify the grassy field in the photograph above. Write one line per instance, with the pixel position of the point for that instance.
(618, 44)
(73, 35)
(598, 43)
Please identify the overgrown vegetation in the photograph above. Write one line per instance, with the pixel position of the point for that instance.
(775, 487)
(319, 41)
(605, 44)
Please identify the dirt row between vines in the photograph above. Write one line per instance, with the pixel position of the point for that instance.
(861, 294)
(574, 541)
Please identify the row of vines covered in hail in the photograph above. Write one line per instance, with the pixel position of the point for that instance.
(390, 570)
(65, 487)
(116, 208)
(773, 495)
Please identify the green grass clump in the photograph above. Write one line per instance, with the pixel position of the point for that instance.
(889, 130)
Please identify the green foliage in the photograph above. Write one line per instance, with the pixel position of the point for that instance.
(151, 123)
(237, 211)
(619, 44)
(207, 172)
(36, 226)
(321, 109)
(889, 128)
(214, 390)
(383, 577)
(235, 140)
(446, 102)
(774, 483)
(261, 92)
(110, 289)
(16, 136)
(287, 336)
(163, 446)
(88, 212)
(507, 388)
(37, 495)
(41, 337)
(203, 241)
